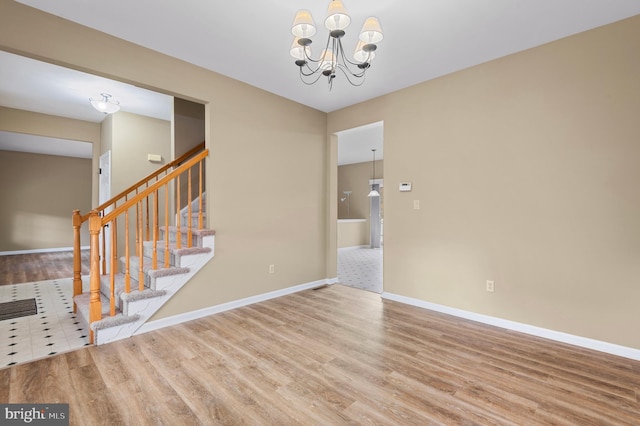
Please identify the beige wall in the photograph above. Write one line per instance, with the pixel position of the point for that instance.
(188, 125)
(32, 123)
(25, 209)
(188, 132)
(355, 178)
(131, 137)
(527, 170)
(353, 232)
(39, 193)
(266, 171)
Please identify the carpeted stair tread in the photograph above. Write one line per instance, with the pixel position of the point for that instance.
(115, 321)
(182, 251)
(134, 264)
(119, 286)
(82, 303)
(194, 231)
(150, 275)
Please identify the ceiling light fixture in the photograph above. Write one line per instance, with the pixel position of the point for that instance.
(374, 192)
(105, 104)
(333, 57)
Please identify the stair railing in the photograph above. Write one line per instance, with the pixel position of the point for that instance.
(142, 197)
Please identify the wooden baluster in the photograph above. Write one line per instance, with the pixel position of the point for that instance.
(200, 196)
(76, 220)
(147, 217)
(178, 216)
(127, 273)
(154, 254)
(112, 273)
(141, 255)
(103, 249)
(166, 226)
(114, 243)
(189, 233)
(138, 224)
(95, 305)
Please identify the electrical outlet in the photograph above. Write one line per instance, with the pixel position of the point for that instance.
(272, 269)
(490, 286)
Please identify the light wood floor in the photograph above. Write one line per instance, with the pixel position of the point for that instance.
(336, 355)
(24, 268)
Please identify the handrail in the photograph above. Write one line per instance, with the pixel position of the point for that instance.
(151, 189)
(178, 161)
(134, 198)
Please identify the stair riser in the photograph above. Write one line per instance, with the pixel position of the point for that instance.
(134, 271)
(196, 241)
(148, 252)
(194, 220)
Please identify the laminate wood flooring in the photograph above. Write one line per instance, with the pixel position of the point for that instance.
(336, 355)
(31, 267)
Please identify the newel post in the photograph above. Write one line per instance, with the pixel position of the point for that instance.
(95, 306)
(76, 220)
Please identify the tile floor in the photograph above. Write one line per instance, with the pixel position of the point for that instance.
(360, 267)
(54, 329)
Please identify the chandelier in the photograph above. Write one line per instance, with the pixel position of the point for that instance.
(333, 57)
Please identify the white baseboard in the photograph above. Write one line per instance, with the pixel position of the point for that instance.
(332, 280)
(189, 316)
(558, 336)
(48, 250)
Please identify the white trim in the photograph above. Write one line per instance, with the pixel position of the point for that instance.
(200, 313)
(333, 280)
(558, 336)
(48, 250)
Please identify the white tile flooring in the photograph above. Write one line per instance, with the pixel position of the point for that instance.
(54, 329)
(360, 267)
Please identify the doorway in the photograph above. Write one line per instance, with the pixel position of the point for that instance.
(359, 216)
(104, 194)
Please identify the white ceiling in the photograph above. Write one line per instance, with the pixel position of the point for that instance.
(32, 85)
(249, 41)
(44, 145)
(355, 145)
(37, 86)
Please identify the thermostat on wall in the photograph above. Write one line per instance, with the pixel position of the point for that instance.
(405, 187)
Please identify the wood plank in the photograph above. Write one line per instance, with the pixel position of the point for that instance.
(333, 356)
(31, 267)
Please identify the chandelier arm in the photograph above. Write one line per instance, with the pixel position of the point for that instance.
(344, 57)
(349, 75)
(348, 70)
(321, 59)
(309, 83)
(311, 70)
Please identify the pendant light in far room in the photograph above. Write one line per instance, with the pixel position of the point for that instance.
(373, 192)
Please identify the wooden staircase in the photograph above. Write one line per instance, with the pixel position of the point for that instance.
(122, 292)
